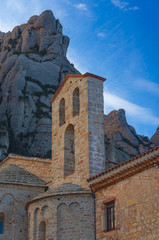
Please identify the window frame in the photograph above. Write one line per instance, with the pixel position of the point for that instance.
(109, 216)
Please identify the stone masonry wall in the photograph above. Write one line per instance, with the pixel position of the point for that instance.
(66, 217)
(88, 131)
(96, 126)
(136, 208)
(80, 123)
(13, 199)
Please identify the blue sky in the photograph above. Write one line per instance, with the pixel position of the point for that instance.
(115, 39)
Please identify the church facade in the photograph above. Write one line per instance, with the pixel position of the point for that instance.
(73, 196)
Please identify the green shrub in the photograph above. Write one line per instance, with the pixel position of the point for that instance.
(17, 52)
(34, 49)
(43, 52)
(47, 88)
(3, 146)
(12, 42)
(7, 48)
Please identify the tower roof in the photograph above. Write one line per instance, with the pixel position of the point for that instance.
(75, 76)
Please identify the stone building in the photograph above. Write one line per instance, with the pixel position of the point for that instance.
(131, 192)
(73, 196)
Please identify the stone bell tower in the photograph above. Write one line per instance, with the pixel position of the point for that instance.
(78, 129)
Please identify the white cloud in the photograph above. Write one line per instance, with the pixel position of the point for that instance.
(81, 6)
(144, 115)
(119, 3)
(133, 8)
(101, 34)
(123, 5)
(147, 86)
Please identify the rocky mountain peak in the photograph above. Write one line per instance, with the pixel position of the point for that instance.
(41, 34)
(121, 140)
(33, 63)
(155, 137)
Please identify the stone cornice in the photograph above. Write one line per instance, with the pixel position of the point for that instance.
(24, 184)
(12, 155)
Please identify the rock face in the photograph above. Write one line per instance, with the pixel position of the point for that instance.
(32, 65)
(155, 137)
(121, 140)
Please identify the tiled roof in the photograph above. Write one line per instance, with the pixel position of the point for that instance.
(16, 175)
(123, 163)
(126, 169)
(75, 76)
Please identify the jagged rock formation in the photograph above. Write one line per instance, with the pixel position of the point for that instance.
(121, 139)
(32, 65)
(155, 137)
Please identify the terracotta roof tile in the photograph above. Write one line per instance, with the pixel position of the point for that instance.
(123, 163)
(75, 76)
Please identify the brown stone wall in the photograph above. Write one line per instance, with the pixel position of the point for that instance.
(136, 208)
(88, 127)
(12, 203)
(68, 217)
(41, 168)
(80, 123)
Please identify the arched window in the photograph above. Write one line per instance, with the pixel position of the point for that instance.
(7, 216)
(62, 222)
(62, 112)
(42, 231)
(76, 102)
(35, 223)
(68, 221)
(75, 220)
(69, 151)
(45, 211)
(1, 223)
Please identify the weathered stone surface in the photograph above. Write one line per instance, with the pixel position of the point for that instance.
(47, 21)
(33, 63)
(121, 140)
(14, 197)
(68, 212)
(33, 19)
(78, 140)
(136, 200)
(155, 137)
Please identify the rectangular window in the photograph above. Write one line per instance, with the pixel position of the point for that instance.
(109, 209)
